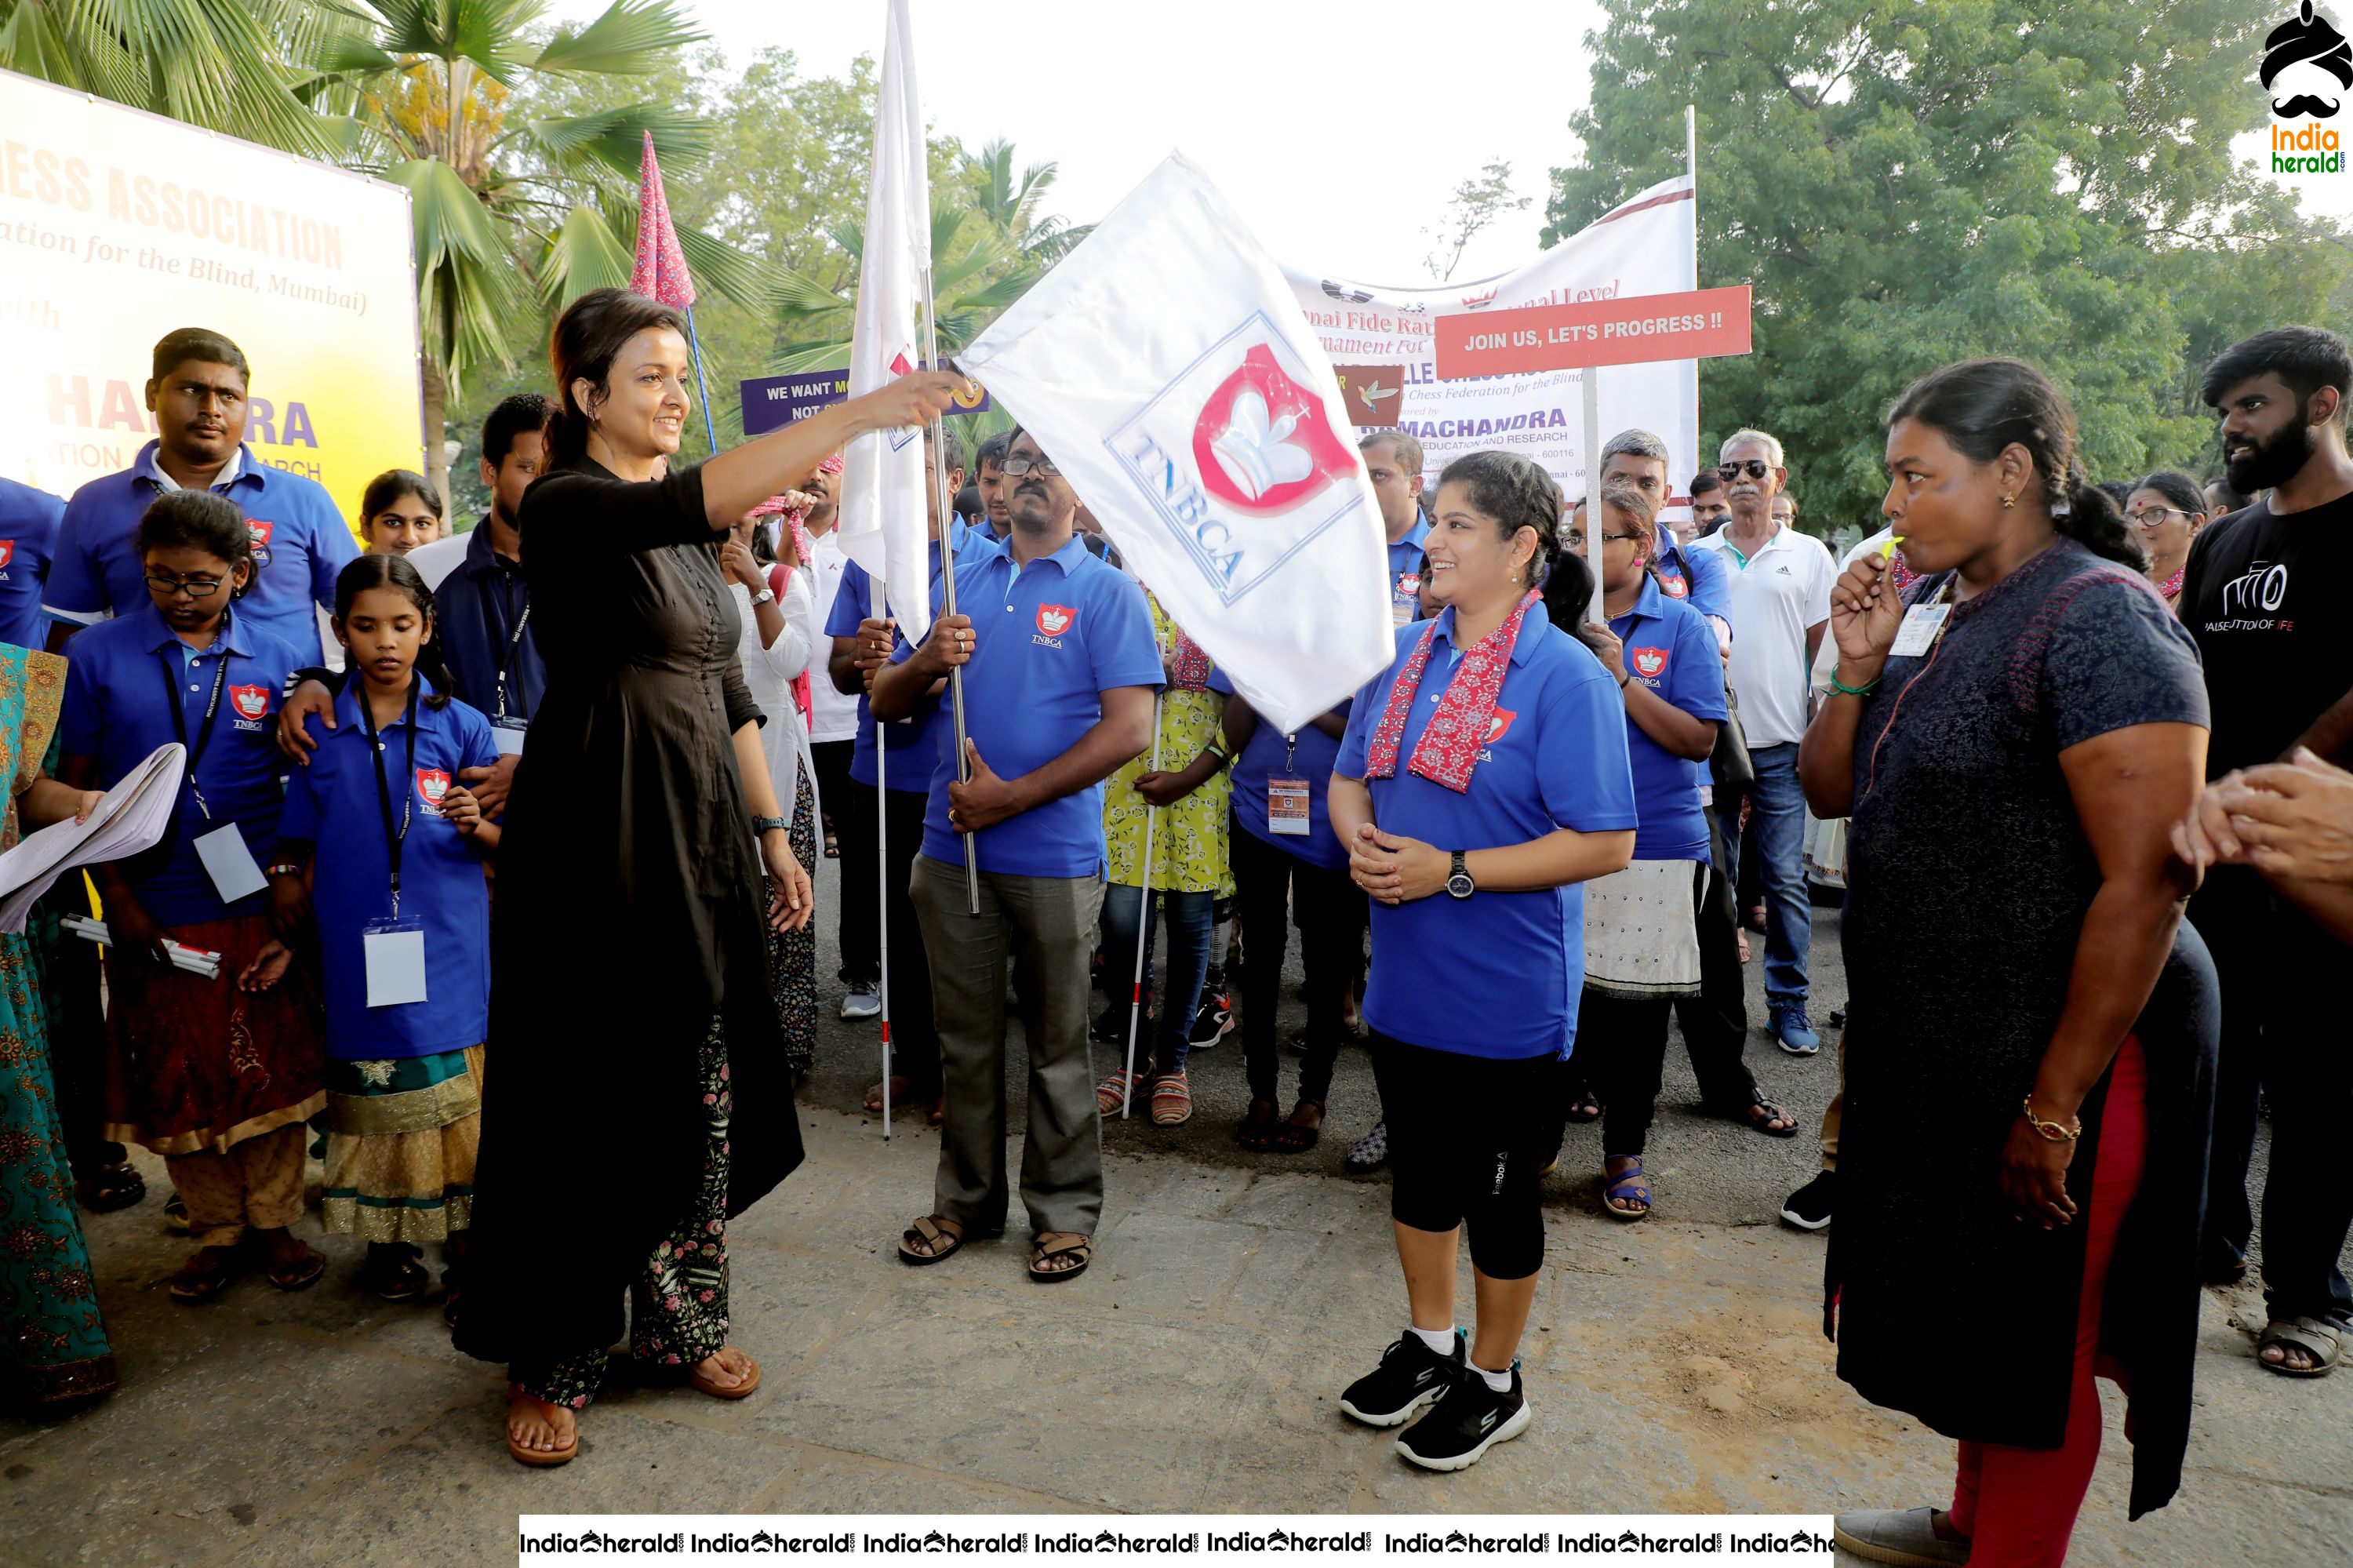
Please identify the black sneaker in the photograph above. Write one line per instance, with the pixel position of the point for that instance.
(1214, 1022)
(1111, 1024)
(1410, 1375)
(1469, 1419)
(1809, 1208)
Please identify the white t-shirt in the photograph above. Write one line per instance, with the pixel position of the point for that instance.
(436, 561)
(1782, 589)
(833, 715)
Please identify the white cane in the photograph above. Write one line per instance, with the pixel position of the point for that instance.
(1143, 929)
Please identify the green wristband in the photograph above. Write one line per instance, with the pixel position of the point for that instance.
(1862, 691)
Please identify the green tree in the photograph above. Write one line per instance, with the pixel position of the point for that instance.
(1475, 207)
(1905, 183)
(217, 65)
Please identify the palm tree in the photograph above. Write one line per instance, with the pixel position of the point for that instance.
(220, 66)
(516, 212)
(1012, 207)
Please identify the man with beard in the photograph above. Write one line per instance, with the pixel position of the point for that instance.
(2264, 596)
(1060, 670)
(1709, 510)
(1779, 607)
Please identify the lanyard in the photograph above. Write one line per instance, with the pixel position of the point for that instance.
(506, 660)
(212, 711)
(1290, 752)
(394, 840)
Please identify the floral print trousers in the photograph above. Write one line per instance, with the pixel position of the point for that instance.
(678, 1302)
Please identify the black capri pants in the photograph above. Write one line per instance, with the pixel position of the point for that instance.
(1467, 1141)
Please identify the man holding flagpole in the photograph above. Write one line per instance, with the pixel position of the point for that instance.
(1060, 670)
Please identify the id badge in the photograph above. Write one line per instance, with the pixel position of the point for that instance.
(1405, 597)
(1919, 633)
(507, 735)
(229, 864)
(1286, 807)
(395, 951)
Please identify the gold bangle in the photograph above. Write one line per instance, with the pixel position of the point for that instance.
(2053, 1131)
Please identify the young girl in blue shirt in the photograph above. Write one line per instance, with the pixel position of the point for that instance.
(386, 848)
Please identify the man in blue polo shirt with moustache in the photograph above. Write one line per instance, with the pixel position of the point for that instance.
(1060, 670)
(197, 395)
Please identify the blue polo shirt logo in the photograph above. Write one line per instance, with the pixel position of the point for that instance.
(7, 552)
(1649, 662)
(432, 783)
(1497, 725)
(251, 704)
(1053, 619)
(1674, 587)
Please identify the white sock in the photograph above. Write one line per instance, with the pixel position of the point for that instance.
(1439, 1340)
(1500, 1382)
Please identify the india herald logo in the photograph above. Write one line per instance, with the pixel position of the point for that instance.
(250, 702)
(433, 783)
(1053, 619)
(1262, 443)
(1649, 662)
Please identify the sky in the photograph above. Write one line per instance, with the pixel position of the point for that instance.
(1338, 131)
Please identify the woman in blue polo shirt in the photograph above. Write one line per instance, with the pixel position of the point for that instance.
(1482, 779)
(219, 1074)
(1642, 946)
(397, 895)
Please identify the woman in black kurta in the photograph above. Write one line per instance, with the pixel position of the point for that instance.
(2013, 902)
(643, 1097)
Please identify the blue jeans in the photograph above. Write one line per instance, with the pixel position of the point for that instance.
(1189, 921)
(1778, 818)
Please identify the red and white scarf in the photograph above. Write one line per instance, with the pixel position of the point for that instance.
(1448, 748)
(805, 551)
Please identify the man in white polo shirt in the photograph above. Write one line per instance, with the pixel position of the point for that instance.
(1779, 607)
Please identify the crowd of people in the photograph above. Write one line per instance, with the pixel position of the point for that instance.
(2026, 724)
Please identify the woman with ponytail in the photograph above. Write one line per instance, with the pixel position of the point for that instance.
(2030, 1024)
(1481, 780)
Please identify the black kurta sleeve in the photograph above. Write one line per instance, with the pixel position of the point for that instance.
(589, 512)
(742, 707)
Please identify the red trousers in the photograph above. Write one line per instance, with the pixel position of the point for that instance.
(2018, 1505)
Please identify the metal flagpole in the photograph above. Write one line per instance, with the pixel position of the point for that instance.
(948, 594)
(1592, 378)
(701, 383)
(882, 871)
(1691, 171)
(1143, 930)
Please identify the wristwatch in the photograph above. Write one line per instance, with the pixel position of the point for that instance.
(762, 596)
(1459, 883)
(770, 824)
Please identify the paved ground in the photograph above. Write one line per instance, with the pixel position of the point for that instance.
(1675, 1365)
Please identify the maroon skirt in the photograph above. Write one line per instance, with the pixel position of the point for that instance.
(197, 1065)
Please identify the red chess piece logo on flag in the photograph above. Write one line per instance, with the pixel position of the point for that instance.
(433, 783)
(1262, 443)
(1649, 662)
(250, 702)
(1053, 619)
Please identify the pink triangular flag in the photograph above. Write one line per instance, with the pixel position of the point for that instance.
(660, 271)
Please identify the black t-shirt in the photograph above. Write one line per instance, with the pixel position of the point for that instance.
(2270, 601)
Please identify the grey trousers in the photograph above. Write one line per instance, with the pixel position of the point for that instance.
(1048, 923)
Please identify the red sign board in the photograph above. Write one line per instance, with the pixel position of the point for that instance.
(1638, 330)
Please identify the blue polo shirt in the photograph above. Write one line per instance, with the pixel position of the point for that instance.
(1309, 755)
(1508, 967)
(912, 743)
(28, 534)
(1670, 648)
(333, 803)
(1698, 578)
(479, 615)
(299, 542)
(1405, 583)
(1048, 641)
(119, 674)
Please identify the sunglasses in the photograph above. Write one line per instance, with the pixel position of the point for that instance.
(1757, 468)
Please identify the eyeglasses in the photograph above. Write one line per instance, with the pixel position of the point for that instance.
(1757, 468)
(1574, 538)
(2156, 516)
(194, 587)
(1016, 467)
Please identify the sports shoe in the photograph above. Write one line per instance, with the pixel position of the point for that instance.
(1794, 1031)
(1372, 1150)
(1214, 1022)
(1469, 1419)
(864, 1001)
(1110, 1027)
(1410, 1375)
(1903, 1536)
(1809, 1208)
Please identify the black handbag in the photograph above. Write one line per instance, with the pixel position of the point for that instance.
(1728, 767)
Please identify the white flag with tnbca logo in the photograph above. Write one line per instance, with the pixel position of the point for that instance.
(1165, 366)
(884, 499)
